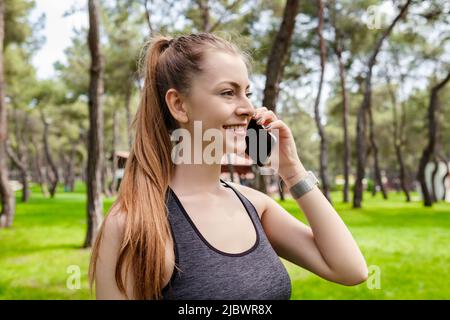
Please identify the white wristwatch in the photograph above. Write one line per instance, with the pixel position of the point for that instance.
(303, 186)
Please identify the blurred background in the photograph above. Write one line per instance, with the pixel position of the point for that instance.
(363, 85)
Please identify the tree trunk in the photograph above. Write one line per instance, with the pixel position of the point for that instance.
(54, 178)
(279, 56)
(40, 169)
(399, 155)
(20, 157)
(69, 175)
(95, 138)
(148, 17)
(399, 140)
(444, 179)
(433, 179)
(24, 159)
(105, 177)
(376, 165)
(25, 185)
(362, 111)
(346, 164)
(84, 172)
(323, 156)
(113, 184)
(337, 47)
(21, 165)
(203, 5)
(6, 193)
(128, 113)
(72, 181)
(433, 108)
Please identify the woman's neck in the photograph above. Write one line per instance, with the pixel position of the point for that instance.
(189, 179)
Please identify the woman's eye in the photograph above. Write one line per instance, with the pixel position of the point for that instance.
(227, 92)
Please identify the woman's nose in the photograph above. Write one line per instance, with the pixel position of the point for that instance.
(246, 109)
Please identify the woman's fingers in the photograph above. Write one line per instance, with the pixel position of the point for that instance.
(266, 117)
(258, 112)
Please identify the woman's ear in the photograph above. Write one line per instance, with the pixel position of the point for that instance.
(177, 106)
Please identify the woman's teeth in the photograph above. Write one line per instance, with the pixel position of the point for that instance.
(239, 129)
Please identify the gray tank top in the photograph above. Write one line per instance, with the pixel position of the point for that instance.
(207, 273)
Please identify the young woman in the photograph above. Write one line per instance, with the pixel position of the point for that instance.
(178, 231)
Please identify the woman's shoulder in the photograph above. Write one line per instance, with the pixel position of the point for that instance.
(109, 247)
(256, 197)
(114, 225)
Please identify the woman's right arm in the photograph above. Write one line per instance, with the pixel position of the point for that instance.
(105, 282)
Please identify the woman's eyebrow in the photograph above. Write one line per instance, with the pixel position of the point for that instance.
(234, 84)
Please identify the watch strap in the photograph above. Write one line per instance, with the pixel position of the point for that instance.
(303, 186)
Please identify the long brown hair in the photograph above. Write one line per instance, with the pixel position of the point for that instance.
(167, 63)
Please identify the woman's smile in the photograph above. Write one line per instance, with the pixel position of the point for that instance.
(237, 130)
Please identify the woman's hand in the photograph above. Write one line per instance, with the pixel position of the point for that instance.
(290, 167)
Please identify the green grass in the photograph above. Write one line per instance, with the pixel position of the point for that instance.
(46, 239)
(408, 243)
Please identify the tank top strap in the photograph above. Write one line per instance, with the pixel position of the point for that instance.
(246, 202)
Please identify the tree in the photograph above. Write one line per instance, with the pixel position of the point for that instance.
(6, 193)
(277, 60)
(123, 29)
(337, 47)
(364, 109)
(398, 132)
(349, 39)
(54, 178)
(95, 136)
(49, 94)
(20, 81)
(433, 109)
(376, 161)
(20, 156)
(398, 120)
(20, 39)
(205, 13)
(323, 159)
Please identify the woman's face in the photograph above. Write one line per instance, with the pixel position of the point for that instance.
(218, 103)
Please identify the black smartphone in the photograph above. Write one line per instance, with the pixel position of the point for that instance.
(259, 143)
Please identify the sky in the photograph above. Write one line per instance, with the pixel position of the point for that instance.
(58, 31)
